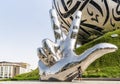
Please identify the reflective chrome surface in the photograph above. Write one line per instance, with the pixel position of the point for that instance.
(58, 60)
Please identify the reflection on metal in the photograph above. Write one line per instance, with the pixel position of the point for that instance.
(114, 35)
(58, 61)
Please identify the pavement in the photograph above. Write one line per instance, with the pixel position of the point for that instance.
(73, 82)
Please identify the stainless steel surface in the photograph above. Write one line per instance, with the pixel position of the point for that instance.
(58, 61)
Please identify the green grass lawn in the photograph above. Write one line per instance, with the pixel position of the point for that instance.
(33, 75)
(106, 66)
(107, 72)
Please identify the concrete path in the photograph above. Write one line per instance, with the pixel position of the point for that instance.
(74, 82)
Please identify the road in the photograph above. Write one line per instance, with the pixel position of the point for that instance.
(74, 82)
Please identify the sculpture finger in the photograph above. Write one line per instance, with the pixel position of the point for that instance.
(101, 46)
(51, 49)
(92, 54)
(73, 31)
(56, 26)
(42, 55)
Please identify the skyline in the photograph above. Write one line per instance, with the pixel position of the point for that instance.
(23, 26)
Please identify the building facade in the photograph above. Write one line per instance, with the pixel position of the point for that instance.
(11, 69)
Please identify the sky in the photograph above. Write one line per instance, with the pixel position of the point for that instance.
(23, 25)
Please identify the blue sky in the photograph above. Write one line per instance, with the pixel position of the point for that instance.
(23, 25)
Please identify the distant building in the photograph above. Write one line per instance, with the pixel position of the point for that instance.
(11, 69)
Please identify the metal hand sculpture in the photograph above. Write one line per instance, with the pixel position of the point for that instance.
(58, 60)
